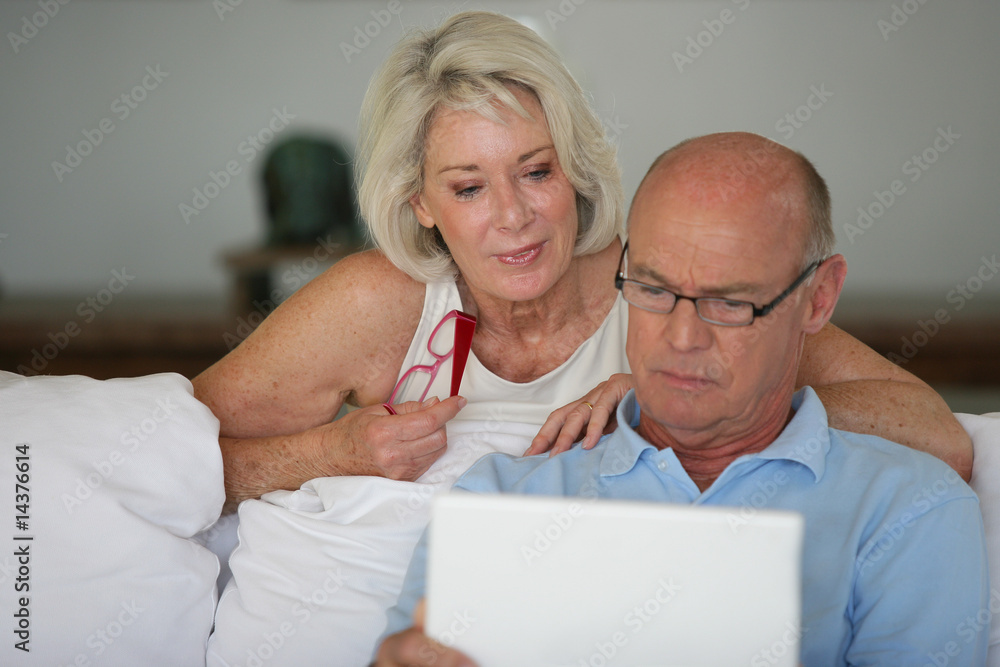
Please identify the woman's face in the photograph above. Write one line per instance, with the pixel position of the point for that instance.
(497, 195)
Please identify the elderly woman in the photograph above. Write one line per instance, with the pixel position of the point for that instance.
(489, 188)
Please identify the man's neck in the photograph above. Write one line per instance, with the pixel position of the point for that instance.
(705, 455)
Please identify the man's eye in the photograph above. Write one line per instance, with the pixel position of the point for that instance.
(650, 292)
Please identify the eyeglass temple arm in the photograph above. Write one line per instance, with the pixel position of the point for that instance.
(761, 312)
(465, 326)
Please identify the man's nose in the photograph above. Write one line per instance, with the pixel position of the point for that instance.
(684, 330)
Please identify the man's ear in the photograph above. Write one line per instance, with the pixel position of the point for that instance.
(824, 292)
(424, 216)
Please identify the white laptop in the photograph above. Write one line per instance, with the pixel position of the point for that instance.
(576, 582)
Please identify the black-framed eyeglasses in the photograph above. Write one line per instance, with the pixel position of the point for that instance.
(724, 312)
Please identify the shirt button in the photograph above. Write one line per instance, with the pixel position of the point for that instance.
(663, 465)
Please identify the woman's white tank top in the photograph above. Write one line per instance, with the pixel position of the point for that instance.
(492, 398)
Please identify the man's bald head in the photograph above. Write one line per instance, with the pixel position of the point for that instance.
(720, 167)
(726, 221)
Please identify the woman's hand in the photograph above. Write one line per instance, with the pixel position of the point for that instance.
(591, 417)
(412, 648)
(368, 441)
(403, 446)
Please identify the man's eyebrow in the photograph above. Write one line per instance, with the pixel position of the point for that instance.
(644, 274)
(474, 167)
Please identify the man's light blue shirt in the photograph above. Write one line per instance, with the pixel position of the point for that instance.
(894, 561)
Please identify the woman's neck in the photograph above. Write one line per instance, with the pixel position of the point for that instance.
(522, 340)
(587, 285)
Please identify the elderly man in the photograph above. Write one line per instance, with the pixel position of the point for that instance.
(727, 268)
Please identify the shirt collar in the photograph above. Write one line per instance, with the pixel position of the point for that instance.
(805, 439)
(624, 446)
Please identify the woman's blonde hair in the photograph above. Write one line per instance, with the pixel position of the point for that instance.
(470, 63)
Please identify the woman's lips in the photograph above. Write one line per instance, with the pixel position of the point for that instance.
(521, 256)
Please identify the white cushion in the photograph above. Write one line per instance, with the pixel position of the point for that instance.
(119, 475)
(317, 569)
(985, 433)
(221, 538)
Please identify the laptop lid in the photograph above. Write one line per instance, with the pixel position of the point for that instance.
(546, 581)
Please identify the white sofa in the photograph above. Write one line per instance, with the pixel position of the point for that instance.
(114, 550)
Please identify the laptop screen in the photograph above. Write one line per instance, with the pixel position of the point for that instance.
(529, 580)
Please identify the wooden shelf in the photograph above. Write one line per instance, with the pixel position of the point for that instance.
(959, 348)
(127, 338)
(137, 337)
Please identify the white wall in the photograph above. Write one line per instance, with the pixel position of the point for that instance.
(886, 98)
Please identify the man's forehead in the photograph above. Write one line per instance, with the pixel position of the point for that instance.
(690, 245)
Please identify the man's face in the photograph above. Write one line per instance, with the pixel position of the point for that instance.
(693, 377)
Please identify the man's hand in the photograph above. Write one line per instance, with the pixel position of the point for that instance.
(412, 648)
(591, 417)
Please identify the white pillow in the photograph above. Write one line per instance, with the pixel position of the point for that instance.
(115, 477)
(317, 569)
(985, 433)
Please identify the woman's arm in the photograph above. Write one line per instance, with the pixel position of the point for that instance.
(365, 442)
(861, 391)
(341, 337)
(866, 393)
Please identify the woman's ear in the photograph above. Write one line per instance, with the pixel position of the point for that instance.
(824, 292)
(424, 216)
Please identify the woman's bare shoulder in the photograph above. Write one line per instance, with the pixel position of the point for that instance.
(340, 336)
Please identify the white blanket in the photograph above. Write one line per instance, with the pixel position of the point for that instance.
(317, 569)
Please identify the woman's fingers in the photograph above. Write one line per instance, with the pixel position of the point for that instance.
(590, 417)
(401, 446)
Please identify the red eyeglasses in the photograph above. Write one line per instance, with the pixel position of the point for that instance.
(465, 326)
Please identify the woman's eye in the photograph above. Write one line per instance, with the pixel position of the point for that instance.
(467, 193)
(539, 174)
